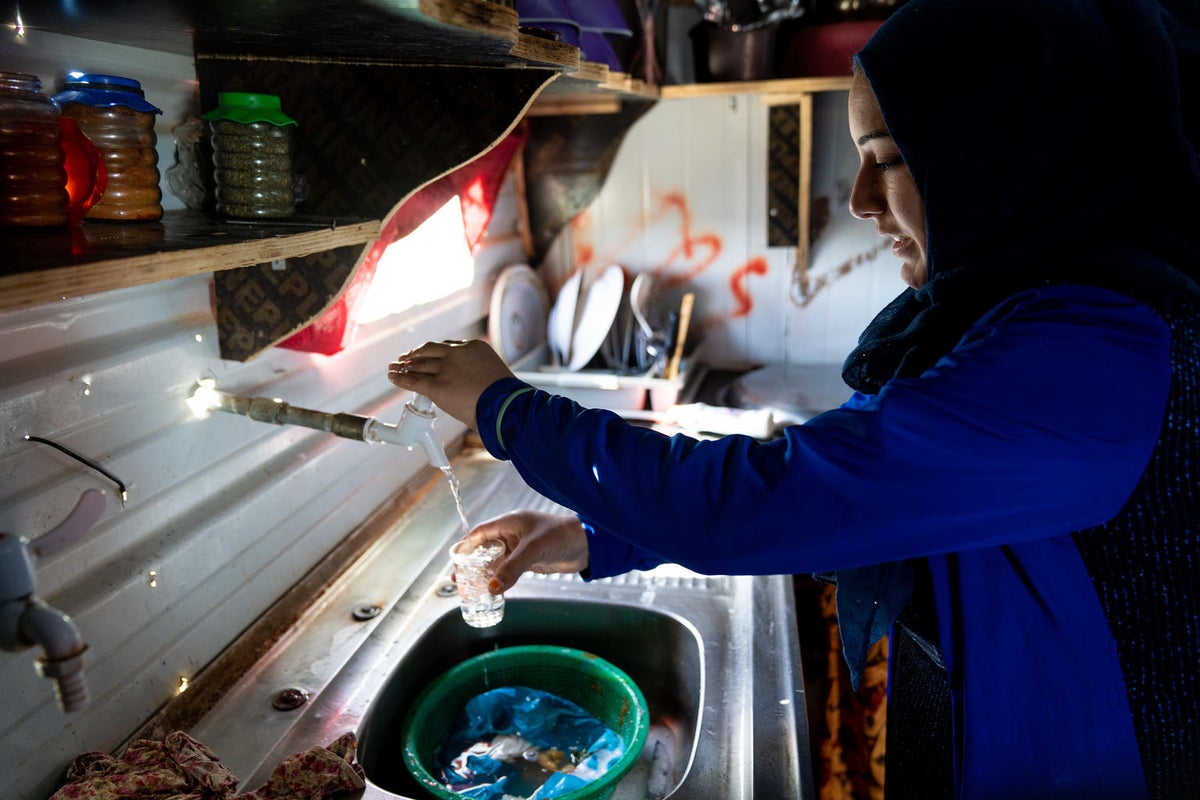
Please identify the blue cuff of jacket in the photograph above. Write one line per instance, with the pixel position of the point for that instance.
(490, 413)
(609, 554)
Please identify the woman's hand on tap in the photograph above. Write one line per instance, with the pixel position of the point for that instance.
(534, 541)
(452, 373)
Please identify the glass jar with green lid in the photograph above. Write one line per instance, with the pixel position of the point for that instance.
(252, 156)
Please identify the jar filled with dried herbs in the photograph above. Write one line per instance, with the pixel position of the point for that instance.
(252, 156)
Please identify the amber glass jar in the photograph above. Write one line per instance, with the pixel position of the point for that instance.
(252, 156)
(116, 116)
(33, 181)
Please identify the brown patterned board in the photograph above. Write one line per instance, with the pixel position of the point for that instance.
(259, 306)
(783, 176)
(367, 137)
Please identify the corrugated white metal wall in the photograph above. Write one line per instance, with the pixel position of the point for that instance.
(686, 199)
(224, 514)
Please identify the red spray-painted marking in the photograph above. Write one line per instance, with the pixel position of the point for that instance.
(737, 285)
(690, 257)
(686, 250)
(582, 240)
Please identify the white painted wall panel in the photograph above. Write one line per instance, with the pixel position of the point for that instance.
(826, 329)
(690, 181)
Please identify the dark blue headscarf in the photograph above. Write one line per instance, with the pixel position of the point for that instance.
(1048, 142)
(1051, 143)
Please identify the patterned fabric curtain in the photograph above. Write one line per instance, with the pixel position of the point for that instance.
(847, 729)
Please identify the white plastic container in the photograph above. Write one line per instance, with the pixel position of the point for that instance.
(629, 395)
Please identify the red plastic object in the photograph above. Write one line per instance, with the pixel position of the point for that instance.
(476, 184)
(87, 175)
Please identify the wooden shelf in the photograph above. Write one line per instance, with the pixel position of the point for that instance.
(45, 265)
(387, 31)
(403, 32)
(603, 94)
(778, 86)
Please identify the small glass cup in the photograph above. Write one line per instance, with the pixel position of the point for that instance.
(473, 568)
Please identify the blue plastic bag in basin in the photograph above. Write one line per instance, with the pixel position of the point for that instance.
(521, 742)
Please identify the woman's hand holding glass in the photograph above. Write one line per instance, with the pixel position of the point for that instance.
(534, 541)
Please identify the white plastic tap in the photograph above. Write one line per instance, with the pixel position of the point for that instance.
(415, 428)
(27, 621)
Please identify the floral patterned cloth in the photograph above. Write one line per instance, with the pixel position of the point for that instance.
(847, 729)
(181, 768)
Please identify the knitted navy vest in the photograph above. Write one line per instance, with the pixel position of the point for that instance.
(1145, 566)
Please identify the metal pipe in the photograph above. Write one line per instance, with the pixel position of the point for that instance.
(277, 412)
(415, 428)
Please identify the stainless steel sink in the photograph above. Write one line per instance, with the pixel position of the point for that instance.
(716, 656)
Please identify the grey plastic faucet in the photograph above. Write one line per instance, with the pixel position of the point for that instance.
(415, 428)
(27, 621)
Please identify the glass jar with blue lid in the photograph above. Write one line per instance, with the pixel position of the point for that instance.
(113, 112)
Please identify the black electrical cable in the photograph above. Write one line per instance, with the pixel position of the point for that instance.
(83, 460)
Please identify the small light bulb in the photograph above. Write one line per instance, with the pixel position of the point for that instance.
(205, 398)
(199, 338)
(153, 579)
(183, 684)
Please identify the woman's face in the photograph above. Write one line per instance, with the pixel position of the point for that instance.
(884, 189)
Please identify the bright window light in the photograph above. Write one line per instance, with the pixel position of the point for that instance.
(430, 263)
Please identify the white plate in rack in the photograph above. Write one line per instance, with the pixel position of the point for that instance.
(561, 324)
(601, 302)
(518, 312)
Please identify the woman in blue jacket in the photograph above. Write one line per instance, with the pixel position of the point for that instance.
(1013, 489)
